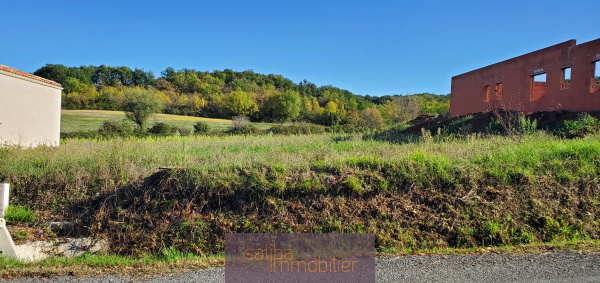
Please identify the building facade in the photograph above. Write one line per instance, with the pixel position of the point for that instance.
(564, 76)
(29, 109)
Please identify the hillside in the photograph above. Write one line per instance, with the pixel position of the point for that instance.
(227, 93)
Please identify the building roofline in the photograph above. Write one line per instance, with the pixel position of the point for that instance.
(572, 41)
(28, 76)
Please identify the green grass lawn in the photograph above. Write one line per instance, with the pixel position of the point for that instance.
(91, 120)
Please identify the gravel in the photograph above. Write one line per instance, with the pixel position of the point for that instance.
(548, 267)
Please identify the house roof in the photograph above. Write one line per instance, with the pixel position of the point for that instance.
(28, 75)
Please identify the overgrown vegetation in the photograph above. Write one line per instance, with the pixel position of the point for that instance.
(420, 193)
(585, 124)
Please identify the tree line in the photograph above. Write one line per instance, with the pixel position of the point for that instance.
(227, 93)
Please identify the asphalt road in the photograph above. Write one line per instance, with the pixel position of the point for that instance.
(549, 267)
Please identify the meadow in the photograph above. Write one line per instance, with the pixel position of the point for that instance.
(91, 120)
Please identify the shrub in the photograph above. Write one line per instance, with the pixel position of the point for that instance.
(239, 122)
(19, 214)
(344, 129)
(80, 135)
(371, 118)
(183, 131)
(584, 124)
(162, 129)
(298, 129)
(115, 128)
(201, 128)
(527, 126)
(241, 125)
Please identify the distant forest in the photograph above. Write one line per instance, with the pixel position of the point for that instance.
(224, 94)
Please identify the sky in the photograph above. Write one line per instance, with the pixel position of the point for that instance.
(367, 47)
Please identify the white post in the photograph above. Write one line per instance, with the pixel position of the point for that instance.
(4, 193)
(7, 246)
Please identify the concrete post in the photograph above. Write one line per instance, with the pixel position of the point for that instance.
(4, 193)
(7, 246)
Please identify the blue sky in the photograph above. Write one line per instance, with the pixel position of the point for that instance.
(367, 47)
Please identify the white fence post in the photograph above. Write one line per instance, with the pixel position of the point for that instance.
(4, 193)
(7, 246)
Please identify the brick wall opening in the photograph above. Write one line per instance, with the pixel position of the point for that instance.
(499, 91)
(566, 78)
(538, 87)
(487, 92)
(597, 72)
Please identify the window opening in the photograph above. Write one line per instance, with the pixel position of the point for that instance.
(597, 72)
(487, 91)
(595, 85)
(538, 87)
(566, 78)
(499, 91)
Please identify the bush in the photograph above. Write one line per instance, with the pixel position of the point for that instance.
(19, 214)
(527, 126)
(115, 128)
(585, 124)
(80, 135)
(248, 130)
(298, 129)
(162, 129)
(371, 118)
(183, 131)
(201, 128)
(241, 125)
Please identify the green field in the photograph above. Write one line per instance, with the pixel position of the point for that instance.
(91, 120)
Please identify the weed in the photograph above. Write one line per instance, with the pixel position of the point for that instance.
(585, 124)
(19, 214)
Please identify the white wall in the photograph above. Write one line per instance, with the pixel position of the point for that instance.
(29, 111)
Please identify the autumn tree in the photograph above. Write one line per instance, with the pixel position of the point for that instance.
(239, 103)
(371, 118)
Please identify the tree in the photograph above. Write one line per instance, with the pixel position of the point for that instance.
(402, 109)
(282, 107)
(331, 114)
(371, 118)
(240, 103)
(139, 105)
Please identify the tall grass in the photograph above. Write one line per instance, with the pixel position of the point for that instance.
(431, 193)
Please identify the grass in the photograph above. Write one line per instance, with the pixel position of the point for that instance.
(90, 264)
(91, 120)
(434, 193)
(19, 214)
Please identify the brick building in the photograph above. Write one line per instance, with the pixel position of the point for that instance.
(563, 76)
(29, 109)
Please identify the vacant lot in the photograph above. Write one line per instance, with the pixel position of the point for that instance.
(428, 194)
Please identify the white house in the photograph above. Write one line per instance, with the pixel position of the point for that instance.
(29, 109)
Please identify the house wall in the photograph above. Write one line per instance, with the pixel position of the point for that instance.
(520, 92)
(29, 111)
